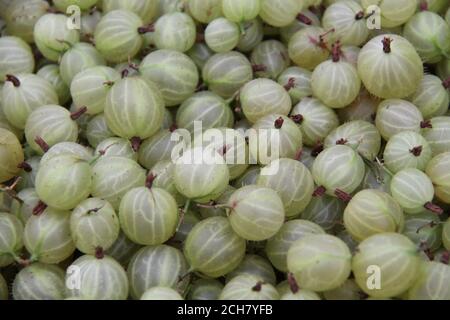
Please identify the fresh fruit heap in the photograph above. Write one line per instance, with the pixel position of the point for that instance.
(93, 206)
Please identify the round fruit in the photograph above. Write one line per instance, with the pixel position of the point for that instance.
(11, 155)
(17, 57)
(248, 287)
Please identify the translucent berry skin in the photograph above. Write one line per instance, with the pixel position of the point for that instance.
(407, 150)
(279, 13)
(412, 189)
(146, 10)
(53, 124)
(112, 177)
(254, 265)
(430, 35)
(257, 213)
(39, 281)
(263, 97)
(395, 74)
(19, 102)
(11, 155)
(47, 236)
(277, 247)
(83, 4)
(248, 287)
(100, 279)
(205, 11)
(222, 35)
(161, 293)
(24, 210)
(338, 167)
(200, 53)
(302, 83)
(173, 72)
(205, 289)
(116, 147)
(117, 37)
(67, 148)
(425, 230)
(254, 34)
(349, 290)
(239, 11)
(225, 73)
(134, 108)
(296, 195)
(327, 252)
(325, 211)
(164, 172)
(12, 238)
(273, 55)
(438, 135)
(94, 224)
(175, 31)
(64, 181)
(156, 266)
(52, 36)
(398, 261)
(148, 216)
(51, 74)
(431, 282)
(18, 57)
(395, 115)
(438, 170)
(97, 130)
(393, 12)
(371, 212)
(288, 31)
(213, 248)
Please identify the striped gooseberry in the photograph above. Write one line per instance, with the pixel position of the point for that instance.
(297, 81)
(201, 174)
(205, 11)
(334, 93)
(118, 35)
(279, 13)
(134, 109)
(338, 171)
(349, 290)
(205, 289)
(429, 33)
(11, 155)
(189, 220)
(21, 16)
(240, 11)
(100, 278)
(17, 57)
(88, 23)
(22, 94)
(222, 35)
(49, 125)
(52, 35)
(97, 130)
(123, 249)
(308, 47)
(12, 238)
(39, 281)
(425, 230)
(270, 57)
(278, 246)
(67, 148)
(199, 54)
(327, 252)
(395, 115)
(163, 171)
(161, 293)
(254, 265)
(63, 181)
(216, 209)
(155, 266)
(248, 287)
(256, 213)
(213, 248)
(94, 225)
(363, 108)
(315, 120)
(263, 97)
(347, 18)
(304, 19)
(175, 31)
(51, 73)
(393, 12)
(116, 147)
(432, 97)
(47, 236)
(157, 148)
(431, 284)
(173, 72)
(371, 212)
(437, 134)
(78, 58)
(377, 179)
(113, 177)
(252, 37)
(293, 182)
(248, 177)
(438, 170)
(146, 10)
(225, 73)
(350, 54)
(390, 67)
(398, 261)
(290, 140)
(407, 149)
(24, 210)
(325, 211)
(148, 215)
(413, 190)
